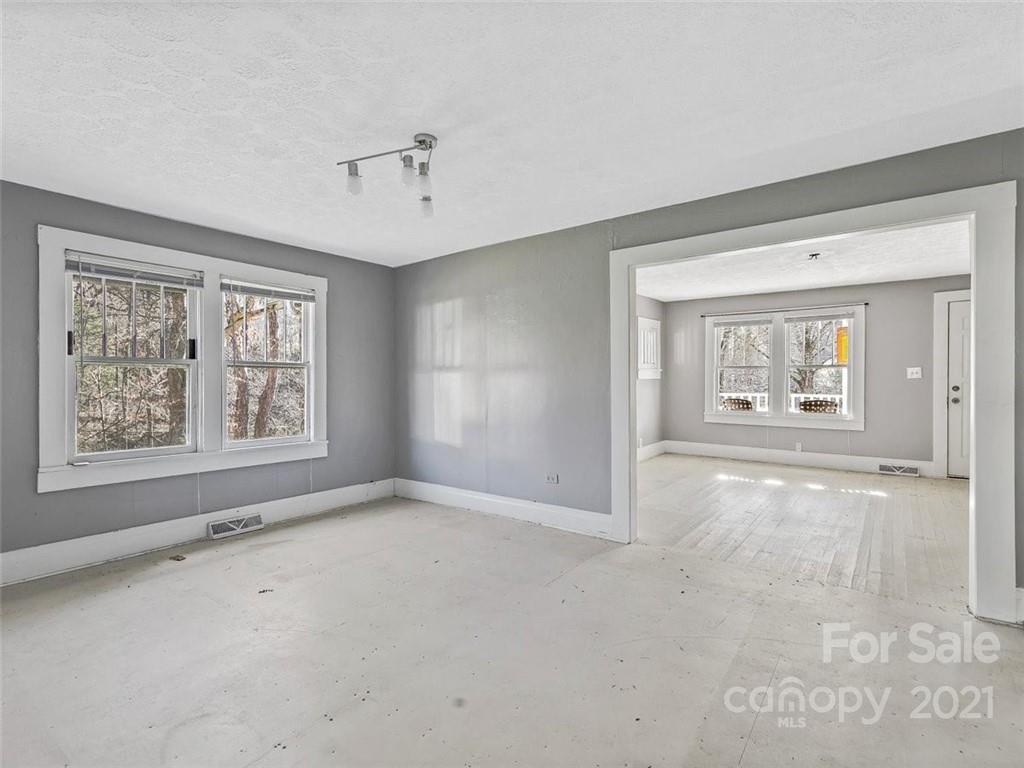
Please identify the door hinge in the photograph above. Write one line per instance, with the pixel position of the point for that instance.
(71, 342)
(191, 349)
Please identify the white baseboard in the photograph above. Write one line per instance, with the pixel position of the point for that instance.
(650, 451)
(795, 458)
(553, 516)
(47, 559)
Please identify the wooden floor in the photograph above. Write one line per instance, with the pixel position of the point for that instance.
(889, 536)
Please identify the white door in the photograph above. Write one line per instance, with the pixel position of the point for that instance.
(959, 392)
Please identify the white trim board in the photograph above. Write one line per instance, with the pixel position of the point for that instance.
(650, 450)
(60, 556)
(1020, 605)
(991, 212)
(840, 461)
(550, 515)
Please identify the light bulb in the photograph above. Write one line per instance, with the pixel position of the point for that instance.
(354, 181)
(423, 180)
(427, 206)
(408, 171)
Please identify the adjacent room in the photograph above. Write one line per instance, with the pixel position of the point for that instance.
(787, 398)
(436, 385)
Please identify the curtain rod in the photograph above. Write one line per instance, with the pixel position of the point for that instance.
(786, 309)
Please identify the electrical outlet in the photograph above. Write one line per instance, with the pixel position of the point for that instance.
(913, 373)
(551, 478)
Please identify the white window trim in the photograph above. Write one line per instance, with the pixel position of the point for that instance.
(777, 414)
(650, 369)
(211, 453)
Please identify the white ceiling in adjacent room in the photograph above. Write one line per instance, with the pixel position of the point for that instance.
(548, 115)
(930, 250)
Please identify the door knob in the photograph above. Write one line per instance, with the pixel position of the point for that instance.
(956, 400)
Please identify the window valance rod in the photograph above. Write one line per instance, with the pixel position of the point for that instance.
(787, 309)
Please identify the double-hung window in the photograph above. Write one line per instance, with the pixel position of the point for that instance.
(797, 367)
(155, 362)
(130, 367)
(267, 363)
(742, 356)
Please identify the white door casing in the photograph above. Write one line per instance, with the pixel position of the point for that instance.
(991, 212)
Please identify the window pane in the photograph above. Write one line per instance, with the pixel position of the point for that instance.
(234, 343)
(743, 384)
(266, 402)
(746, 345)
(175, 323)
(119, 319)
(126, 407)
(275, 330)
(88, 315)
(818, 342)
(295, 311)
(255, 328)
(807, 385)
(234, 326)
(147, 320)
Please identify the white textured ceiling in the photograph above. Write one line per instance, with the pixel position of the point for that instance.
(914, 253)
(549, 116)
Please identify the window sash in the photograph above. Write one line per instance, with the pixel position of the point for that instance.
(307, 344)
(78, 331)
(78, 357)
(720, 324)
(189, 446)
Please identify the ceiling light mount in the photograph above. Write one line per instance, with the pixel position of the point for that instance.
(426, 141)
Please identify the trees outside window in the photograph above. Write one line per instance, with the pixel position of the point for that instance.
(267, 366)
(798, 367)
(132, 372)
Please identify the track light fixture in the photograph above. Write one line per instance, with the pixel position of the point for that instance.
(412, 174)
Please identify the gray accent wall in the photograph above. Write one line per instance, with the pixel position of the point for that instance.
(649, 392)
(360, 339)
(898, 335)
(554, 292)
(499, 356)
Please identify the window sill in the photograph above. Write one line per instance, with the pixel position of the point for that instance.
(793, 422)
(65, 477)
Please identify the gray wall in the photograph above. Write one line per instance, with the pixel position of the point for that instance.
(548, 316)
(360, 338)
(898, 411)
(649, 392)
(511, 388)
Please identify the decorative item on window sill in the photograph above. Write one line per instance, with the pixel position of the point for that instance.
(819, 406)
(413, 175)
(737, 404)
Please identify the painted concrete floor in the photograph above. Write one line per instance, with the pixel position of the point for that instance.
(405, 634)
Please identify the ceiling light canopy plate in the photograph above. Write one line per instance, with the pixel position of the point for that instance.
(427, 141)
